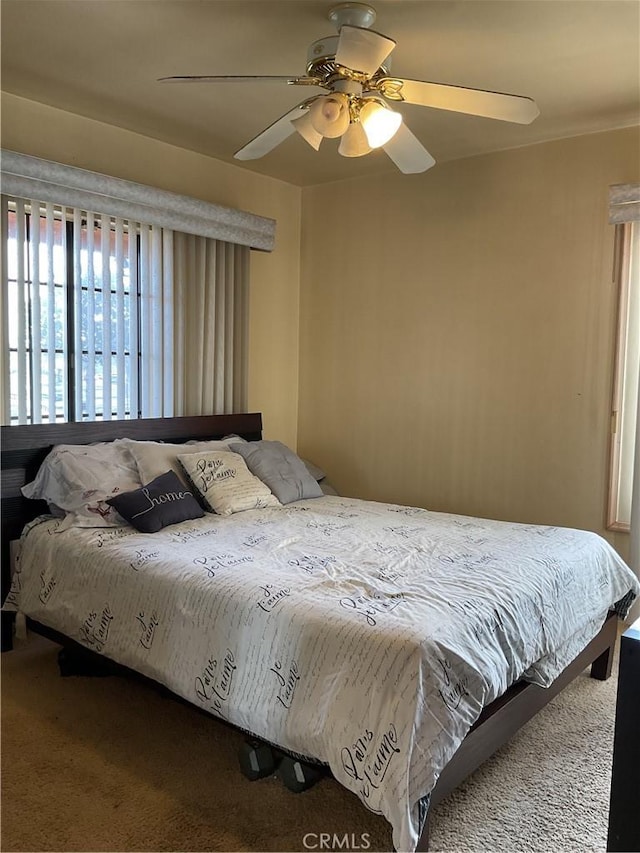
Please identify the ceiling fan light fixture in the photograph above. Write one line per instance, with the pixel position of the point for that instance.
(354, 142)
(329, 115)
(379, 122)
(307, 131)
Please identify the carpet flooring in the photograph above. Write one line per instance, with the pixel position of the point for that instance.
(110, 764)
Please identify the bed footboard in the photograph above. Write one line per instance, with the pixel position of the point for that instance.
(501, 719)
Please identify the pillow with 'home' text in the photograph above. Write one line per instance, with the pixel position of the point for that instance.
(164, 501)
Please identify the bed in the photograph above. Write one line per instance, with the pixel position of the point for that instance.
(399, 646)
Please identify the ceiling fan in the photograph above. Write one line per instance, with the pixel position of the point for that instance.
(353, 67)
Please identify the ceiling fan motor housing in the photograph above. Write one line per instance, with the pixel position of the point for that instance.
(322, 51)
(321, 58)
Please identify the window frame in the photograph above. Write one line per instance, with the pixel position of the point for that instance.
(69, 289)
(622, 279)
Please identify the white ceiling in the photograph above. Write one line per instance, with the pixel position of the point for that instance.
(579, 59)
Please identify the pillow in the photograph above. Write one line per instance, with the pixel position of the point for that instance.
(280, 469)
(155, 457)
(327, 488)
(225, 483)
(317, 473)
(161, 502)
(78, 479)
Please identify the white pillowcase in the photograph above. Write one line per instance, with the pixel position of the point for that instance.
(79, 478)
(153, 458)
(225, 483)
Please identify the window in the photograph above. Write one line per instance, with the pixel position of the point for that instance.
(72, 306)
(624, 421)
(86, 302)
(139, 310)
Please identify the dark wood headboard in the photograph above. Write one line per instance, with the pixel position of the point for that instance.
(24, 447)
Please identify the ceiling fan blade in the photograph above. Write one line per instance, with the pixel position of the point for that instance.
(226, 78)
(407, 152)
(362, 50)
(477, 102)
(271, 136)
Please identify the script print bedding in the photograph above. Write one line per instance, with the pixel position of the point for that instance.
(365, 635)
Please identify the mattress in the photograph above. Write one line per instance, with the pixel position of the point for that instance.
(368, 636)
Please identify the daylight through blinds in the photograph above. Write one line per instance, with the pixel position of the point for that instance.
(87, 314)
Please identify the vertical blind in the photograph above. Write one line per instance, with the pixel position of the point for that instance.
(163, 334)
(211, 305)
(87, 315)
(106, 317)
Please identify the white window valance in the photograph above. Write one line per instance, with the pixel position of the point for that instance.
(31, 177)
(624, 203)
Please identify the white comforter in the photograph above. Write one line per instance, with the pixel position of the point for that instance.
(366, 635)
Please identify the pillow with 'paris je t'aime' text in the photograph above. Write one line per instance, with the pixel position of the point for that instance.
(224, 482)
(164, 501)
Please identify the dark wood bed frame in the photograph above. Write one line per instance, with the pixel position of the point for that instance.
(23, 450)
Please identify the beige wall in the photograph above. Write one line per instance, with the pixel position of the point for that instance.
(42, 131)
(456, 332)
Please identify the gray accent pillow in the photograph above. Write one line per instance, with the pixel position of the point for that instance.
(317, 473)
(280, 469)
(327, 488)
(161, 502)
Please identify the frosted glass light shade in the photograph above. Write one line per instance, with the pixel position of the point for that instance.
(380, 123)
(329, 115)
(354, 142)
(307, 131)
